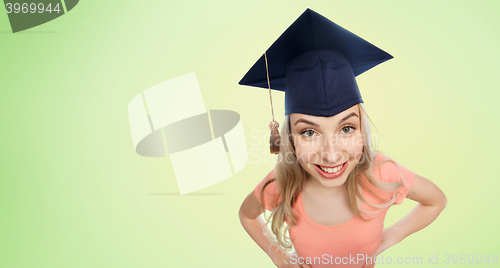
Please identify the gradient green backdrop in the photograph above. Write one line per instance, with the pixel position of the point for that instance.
(75, 194)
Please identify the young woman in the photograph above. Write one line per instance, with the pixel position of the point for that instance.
(329, 187)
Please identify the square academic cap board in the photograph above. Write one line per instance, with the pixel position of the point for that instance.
(315, 62)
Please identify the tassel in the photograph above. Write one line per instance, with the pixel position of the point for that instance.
(275, 138)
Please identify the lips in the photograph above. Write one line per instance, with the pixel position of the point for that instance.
(331, 175)
(332, 167)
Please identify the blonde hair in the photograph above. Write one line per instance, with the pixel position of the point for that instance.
(290, 175)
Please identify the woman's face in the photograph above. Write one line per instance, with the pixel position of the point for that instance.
(328, 148)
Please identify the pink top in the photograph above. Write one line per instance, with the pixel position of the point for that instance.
(330, 246)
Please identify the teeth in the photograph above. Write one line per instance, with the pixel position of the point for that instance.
(331, 170)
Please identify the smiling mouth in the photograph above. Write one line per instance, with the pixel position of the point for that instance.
(332, 170)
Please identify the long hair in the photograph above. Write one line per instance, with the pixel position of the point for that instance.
(290, 175)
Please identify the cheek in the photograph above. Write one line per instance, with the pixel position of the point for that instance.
(356, 147)
(306, 152)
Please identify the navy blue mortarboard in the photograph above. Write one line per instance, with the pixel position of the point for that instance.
(315, 62)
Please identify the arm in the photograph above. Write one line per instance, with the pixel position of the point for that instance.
(249, 214)
(431, 202)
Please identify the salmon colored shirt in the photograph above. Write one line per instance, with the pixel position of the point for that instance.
(348, 244)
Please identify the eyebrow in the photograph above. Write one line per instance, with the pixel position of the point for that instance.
(316, 125)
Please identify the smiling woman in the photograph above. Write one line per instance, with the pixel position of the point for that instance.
(329, 147)
(329, 186)
(341, 215)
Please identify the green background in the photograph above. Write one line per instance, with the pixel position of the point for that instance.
(74, 193)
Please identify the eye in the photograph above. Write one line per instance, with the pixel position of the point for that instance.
(308, 132)
(348, 129)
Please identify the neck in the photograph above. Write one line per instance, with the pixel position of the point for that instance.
(317, 188)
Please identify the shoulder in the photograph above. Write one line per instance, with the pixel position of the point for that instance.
(386, 169)
(271, 191)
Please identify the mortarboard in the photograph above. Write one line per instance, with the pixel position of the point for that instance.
(315, 62)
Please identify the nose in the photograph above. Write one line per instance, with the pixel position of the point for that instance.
(332, 152)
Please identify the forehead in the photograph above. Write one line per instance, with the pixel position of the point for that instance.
(318, 119)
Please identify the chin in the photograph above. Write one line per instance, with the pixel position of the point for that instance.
(331, 183)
